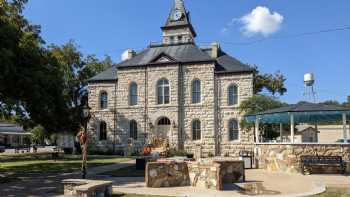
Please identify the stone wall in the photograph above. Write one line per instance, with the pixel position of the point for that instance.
(167, 174)
(213, 110)
(211, 174)
(203, 111)
(207, 174)
(286, 158)
(99, 115)
(225, 113)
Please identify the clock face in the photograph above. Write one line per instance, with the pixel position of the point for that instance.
(177, 15)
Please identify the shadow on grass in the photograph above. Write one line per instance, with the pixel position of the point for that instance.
(129, 171)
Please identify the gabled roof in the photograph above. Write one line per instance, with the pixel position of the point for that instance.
(9, 128)
(228, 64)
(182, 53)
(108, 75)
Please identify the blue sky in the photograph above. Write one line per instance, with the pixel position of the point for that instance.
(111, 26)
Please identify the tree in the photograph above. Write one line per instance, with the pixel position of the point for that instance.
(76, 69)
(274, 83)
(260, 103)
(30, 82)
(347, 104)
(37, 134)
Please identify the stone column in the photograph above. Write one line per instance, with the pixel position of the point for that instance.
(281, 131)
(345, 132)
(257, 133)
(292, 127)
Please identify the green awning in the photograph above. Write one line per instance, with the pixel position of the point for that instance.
(303, 113)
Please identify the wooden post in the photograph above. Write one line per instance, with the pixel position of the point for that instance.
(257, 129)
(292, 127)
(345, 132)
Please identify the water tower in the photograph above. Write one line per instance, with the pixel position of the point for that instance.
(309, 93)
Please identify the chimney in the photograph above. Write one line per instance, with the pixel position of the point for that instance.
(215, 49)
(128, 54)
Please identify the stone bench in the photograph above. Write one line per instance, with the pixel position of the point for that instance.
(87, 188)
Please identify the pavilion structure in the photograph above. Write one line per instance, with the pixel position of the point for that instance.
(285, 155)
(301, 113)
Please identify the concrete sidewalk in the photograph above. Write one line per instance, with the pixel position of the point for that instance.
(265, 183)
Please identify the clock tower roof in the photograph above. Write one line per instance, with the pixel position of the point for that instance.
(179, 18)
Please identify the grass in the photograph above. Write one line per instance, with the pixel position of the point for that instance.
(14, 165)
(130, 171)
(335, 192)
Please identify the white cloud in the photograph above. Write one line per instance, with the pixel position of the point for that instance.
(261, 21)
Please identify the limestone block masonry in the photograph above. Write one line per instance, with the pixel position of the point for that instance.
(213, 111)
(206, 174)
(178, 61)
(286, 158)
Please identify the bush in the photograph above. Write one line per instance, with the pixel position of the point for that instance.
(180, 153)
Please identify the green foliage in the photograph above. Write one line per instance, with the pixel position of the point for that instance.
(40, 85)
(38, 134)
(175, 152)
(273, 83)
(259, 103)
(255, 104)
(30, 82)
(76, 70)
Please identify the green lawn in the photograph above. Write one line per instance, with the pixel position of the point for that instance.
(335, 192)
(14, 165)
(130, 171)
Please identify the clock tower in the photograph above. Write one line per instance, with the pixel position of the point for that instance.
(178, 28)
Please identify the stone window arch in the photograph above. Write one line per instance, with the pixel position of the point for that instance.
(163, 92)
(133, 94)
(232, 95)
(196, 91)
(133, 129)
(233, 130)
(103, 100)
(196, 130)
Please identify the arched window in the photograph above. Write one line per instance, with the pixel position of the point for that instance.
(164, 121)
(103, 100)
(133, 129)
(196, 91)
(196, 130)
(133, 94)
(233, 95)
(163, 92)
(233, 130)
(103, 131)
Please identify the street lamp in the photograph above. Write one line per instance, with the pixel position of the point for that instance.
(85, 115)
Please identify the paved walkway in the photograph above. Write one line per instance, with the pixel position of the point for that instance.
(49, 185)
(265, 183)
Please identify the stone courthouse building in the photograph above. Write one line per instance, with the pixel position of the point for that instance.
(174, 91)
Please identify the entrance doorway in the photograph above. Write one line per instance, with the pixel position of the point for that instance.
(162, 132)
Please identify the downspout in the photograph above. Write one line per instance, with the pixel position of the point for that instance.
(146, 103)
(115, 115)
(180, 108)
